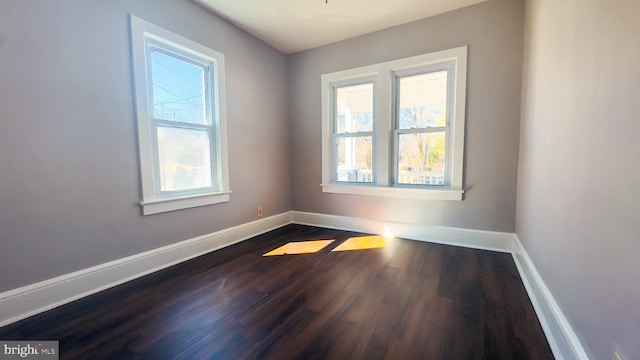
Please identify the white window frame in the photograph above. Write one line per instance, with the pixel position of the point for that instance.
(385, 133)
(144, 36)
(335, 135)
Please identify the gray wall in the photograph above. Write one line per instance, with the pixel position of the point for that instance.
(493, 31)
(579, 175)
(69, 178)
(68, 154)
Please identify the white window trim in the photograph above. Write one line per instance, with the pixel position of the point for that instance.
(152, 202)
(384, 124)
(347, 83)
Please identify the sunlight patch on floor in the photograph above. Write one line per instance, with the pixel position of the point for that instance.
(300, 247)
(363, 243)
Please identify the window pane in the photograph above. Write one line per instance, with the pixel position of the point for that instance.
(354, 159)
(184, 159)
(423, 101)
(421, 158)
(178, 89)
(354, 108)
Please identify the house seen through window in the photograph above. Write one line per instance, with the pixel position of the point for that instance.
(396, 128)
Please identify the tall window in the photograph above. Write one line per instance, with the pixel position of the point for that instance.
(353, 133)
(421, 128)
(181, 120)
(396, 128)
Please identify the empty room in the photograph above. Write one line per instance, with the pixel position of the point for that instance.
(319, 179)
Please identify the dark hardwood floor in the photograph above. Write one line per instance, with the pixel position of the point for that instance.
(410, 300)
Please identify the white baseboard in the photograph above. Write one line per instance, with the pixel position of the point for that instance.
(477, 239)
(562, 339)
(18, 304)
(32, 299)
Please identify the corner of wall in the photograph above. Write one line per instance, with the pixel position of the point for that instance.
(562, 339)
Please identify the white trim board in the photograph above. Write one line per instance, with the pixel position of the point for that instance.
(477, 239)
(562, 339)
(18, 304)
(32, 299)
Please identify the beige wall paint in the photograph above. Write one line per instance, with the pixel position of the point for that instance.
(68, 150)
(493, 31)
(578, 197)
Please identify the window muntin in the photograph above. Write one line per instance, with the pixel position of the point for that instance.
(181, 117)
(353, 123)
(433, 138)
(183, 133)
(184, 136)
(422, 131)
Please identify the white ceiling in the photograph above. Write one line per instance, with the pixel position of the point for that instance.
(295, 25)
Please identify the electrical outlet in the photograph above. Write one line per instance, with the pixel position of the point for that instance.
(259, 210)
(616, 356)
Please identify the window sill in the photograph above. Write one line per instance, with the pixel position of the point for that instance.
(395, 192)
(166, 205)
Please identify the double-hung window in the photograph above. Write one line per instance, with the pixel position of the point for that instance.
(353, 140)
(422, 126)
(181, 120)
(396, 128)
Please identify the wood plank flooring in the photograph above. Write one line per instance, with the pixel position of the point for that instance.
(410, 300)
